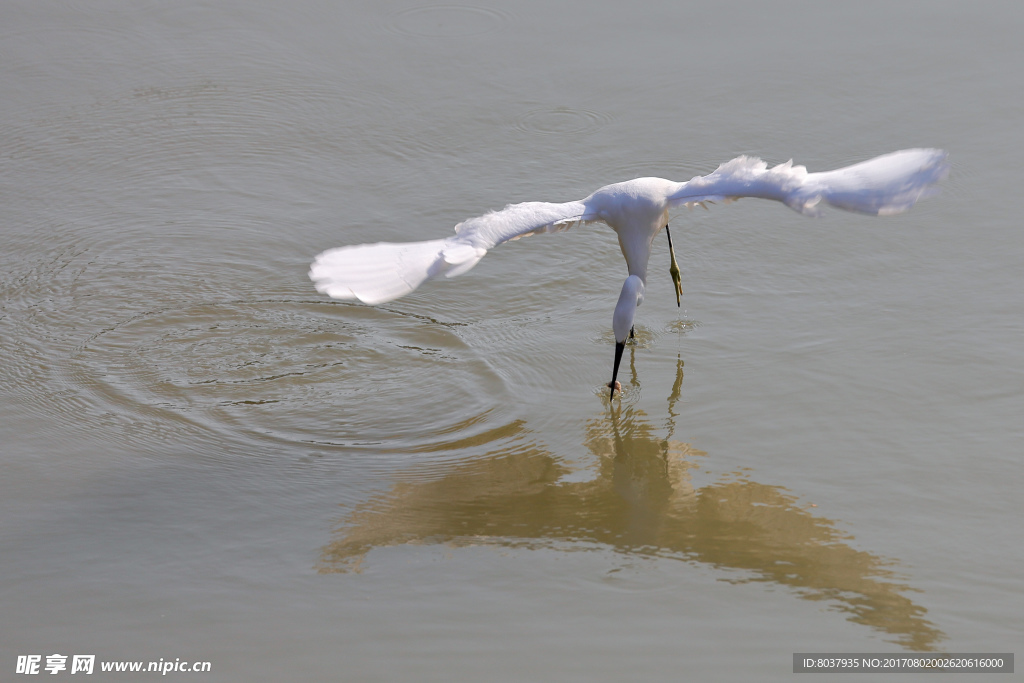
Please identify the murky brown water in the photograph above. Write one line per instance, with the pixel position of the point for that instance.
(204, 459)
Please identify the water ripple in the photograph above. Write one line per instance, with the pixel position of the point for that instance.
(673, 169)
(446, 21)
(291, 371)
(562, 121)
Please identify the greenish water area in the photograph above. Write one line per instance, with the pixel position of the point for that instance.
(202, 458)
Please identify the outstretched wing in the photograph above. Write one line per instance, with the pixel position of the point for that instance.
(885, 185)
(376, 273)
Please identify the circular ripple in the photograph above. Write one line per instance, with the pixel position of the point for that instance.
(94, 7)
(300, 372)
(562, 121)
(446, 21)
(151, 132)
(678, 171)
(682, 326)
(101, 45)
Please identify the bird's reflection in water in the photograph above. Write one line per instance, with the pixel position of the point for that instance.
(641, 502)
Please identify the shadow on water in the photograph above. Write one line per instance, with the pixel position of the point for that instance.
(642, 502)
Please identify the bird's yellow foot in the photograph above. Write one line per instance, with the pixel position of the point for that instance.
(677, 280)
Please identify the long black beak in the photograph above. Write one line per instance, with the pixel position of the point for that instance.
(619, 346)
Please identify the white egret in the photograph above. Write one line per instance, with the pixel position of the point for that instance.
(636, 210)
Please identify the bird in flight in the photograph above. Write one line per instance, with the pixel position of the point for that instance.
(636, 210)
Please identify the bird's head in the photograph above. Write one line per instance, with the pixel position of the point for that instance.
(631, 296)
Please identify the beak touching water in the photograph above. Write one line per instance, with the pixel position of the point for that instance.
(619, 346)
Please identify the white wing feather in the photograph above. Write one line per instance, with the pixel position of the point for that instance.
(885, 185)
(376, 273)
(381, 272)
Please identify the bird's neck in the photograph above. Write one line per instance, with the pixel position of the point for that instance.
(636, 246)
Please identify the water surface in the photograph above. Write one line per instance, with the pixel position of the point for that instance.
(203, 458)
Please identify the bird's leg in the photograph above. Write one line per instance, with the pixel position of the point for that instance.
(632, 333)
(619, 346)
(673, 268)
(632, 366)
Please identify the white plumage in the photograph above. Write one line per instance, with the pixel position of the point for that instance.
(636, 210)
